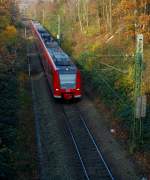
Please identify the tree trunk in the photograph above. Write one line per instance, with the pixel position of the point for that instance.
(79, 17)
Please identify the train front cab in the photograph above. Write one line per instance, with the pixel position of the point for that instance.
(67, 86)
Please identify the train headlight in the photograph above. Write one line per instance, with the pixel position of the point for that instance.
(78, 89)
(57, 89)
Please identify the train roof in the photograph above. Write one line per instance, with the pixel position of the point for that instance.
(39, 27)
(61, 55)
(61, 60)
(36, 23)
(45, 34)
(53, 48)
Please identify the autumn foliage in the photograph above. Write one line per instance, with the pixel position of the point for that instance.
(8, 32)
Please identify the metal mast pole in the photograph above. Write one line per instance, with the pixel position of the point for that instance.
(137, 123)
(43, 17)
(58, 33)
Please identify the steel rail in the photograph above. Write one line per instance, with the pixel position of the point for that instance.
(96, 146)
(79, 151)
(75, 144)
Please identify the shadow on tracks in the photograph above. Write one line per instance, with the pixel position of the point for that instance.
(67, 102)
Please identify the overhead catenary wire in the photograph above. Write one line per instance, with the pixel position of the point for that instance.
(111, 66)
(112, 90)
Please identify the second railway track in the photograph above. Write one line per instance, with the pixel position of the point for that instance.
(92, 161)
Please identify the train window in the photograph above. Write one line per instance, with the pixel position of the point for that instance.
(62, 62)
(67, 80)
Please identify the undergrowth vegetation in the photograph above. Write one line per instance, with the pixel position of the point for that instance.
(17, 140)
(114, 88)
(17, 160)
(8, 106)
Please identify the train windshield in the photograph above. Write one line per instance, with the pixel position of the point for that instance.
(67, 80)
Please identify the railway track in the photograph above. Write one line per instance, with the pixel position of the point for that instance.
(89, 154)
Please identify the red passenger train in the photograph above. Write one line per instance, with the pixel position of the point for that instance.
(63, 76)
